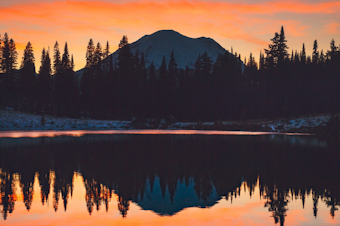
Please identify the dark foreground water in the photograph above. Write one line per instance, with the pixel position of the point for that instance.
(169, 179)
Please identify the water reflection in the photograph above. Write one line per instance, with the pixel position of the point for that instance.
(169, 173)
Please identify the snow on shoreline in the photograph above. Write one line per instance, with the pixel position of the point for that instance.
(12, 120)
(17, 121)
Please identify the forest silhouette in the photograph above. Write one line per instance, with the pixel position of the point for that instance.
(114, 164)
(279, 85)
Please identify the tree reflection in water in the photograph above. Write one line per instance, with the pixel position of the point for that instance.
(193, 170)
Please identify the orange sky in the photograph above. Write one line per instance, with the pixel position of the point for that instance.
(247, 25)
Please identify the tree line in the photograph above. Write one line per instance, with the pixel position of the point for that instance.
(279, 85)
(52, 90)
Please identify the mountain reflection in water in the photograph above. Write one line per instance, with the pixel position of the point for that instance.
(168, 173)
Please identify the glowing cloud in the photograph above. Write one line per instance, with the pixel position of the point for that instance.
(333, 28)
(76, 22)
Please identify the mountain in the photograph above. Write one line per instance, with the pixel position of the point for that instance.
(161, 43)
(184, 197)
(186, 50)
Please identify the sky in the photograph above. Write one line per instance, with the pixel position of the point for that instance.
(245, 25)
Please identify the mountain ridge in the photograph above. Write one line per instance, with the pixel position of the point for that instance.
(186, 49)
(162, 42)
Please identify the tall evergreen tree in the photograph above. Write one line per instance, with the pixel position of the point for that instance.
(98, 80)
(126, 73)
(8, 62)
(56, 58)
(303, 57)
(27, 78)
(65, 61)
(106, 58)
(44, 82)
(315, 56)
(277, 52)
(65, 89)
(125, 58)
(87, 91)
(282, 47)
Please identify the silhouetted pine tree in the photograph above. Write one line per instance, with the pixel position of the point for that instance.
(333, 68)
(98, 79)
(56, 58)
(315, 56)
(126, 74)
(8, 62)
(106, 58)
(86, 86)
(27, 79)
(282, 48)
(65, 89)
(43, 86)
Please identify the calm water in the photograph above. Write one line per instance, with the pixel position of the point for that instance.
(168, 179)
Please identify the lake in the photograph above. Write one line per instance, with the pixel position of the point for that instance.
(168, 178)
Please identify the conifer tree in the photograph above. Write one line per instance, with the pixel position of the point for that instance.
(106, 58)
(277, 52)
(251, 69)
(282, 47)
(261, 65)
(125, 72)
(8, 55)
(44, 82)
(98, 55)
(332, 52)
(125, 58)
(56, 58)
(98, 80)
(322, 58)
(65, 61)
(65, 90)
(72, 62)
(303, 55)
(27, 77)
(86, 85)
(8, 63)
(292, 57)
(315, 56)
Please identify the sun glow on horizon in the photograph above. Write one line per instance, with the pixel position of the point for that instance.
(248, 27)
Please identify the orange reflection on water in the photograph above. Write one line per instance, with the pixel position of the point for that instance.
(242, 211)
(79, 133)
